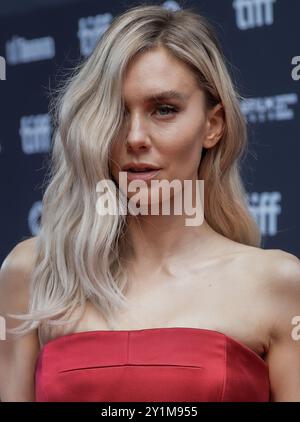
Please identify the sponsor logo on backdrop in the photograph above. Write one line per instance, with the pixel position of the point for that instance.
(171, 5)
(263, 109)
(35, 133)
(2, 69)
(2, 78)
(20, 50)
(90, 30)
(266, 208)
(253, 13)
(296, 69)
(34, 218)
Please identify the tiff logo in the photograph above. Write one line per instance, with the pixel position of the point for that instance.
(265, 207)
(35, 132)
(253, 13)
(90, 31)
(2, 69)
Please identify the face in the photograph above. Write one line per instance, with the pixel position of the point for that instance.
(168, 132)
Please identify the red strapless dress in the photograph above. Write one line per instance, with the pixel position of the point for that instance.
(155, 364)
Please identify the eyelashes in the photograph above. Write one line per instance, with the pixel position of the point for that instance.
(169, 110)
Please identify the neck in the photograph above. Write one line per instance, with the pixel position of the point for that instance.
(158, 240)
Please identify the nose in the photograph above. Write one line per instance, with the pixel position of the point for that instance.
(137, 134)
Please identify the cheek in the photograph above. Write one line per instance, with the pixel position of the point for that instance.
(185, 151)
(184, 141)
(114, 158)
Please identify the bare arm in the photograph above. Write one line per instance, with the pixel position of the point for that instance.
(17, 354)
(284, 352)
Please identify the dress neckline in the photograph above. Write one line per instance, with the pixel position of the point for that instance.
(143, 330)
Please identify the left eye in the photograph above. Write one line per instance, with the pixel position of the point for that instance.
(169, 109)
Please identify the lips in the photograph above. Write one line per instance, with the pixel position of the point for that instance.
(143, 166)
(137, 170)
(142, 175)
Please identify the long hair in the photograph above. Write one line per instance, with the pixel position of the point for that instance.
(80, 254)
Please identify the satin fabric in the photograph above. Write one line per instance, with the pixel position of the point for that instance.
(157, 364)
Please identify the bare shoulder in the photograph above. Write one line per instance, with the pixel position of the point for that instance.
(271, 268)
(22, 255)
(17, 354)
(280, 290)
(269, 273)
(282, 279)
(270, 282)
(15, 275)
(280, 269)
(275, 278)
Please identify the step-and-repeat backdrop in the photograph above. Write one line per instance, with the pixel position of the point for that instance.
(261, 42)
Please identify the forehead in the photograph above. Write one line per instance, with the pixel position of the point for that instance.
(157, 71)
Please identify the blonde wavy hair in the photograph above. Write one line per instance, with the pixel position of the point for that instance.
(80, 254)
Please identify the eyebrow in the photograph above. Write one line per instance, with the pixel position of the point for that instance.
(170, 94)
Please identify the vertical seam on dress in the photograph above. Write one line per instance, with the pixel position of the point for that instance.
(127, 352)
(225, 369)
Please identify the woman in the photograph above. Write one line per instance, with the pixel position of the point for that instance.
(126, 307)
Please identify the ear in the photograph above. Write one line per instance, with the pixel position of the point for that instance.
(215, 124)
